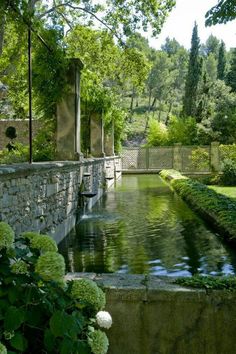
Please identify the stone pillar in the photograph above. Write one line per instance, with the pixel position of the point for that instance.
(177, 157)
(109, 140)
(96, 135)
(68, 116)
(215, 156)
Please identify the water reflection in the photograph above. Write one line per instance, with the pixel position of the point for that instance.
(143, 227)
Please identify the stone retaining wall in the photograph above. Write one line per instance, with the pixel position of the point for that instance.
(46, 197)
(152, 315)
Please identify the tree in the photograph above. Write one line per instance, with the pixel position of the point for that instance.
(193, 76)
(231, 76)
(171, 46)
(211, 67)
(120, 17)
(221, 62)
(222, 12)
(211, 46)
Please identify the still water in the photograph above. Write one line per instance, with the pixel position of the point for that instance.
(143, 227)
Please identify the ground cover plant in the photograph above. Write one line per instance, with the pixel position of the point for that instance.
(217, 208)
(39, 311)
(209, 282)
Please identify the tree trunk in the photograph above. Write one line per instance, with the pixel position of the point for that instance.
(154, 102)
(149, 100)
(132, 101)
(2, 28)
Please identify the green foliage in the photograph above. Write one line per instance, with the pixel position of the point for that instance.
(200, 158)
(157, 133)
(221, 66)
(193, 76)
(208, 282)
(222, 12)
(228, 177)
(10, 132)
(17, 155)
(49, 73)
(44, 145)
(182, 130)
(228, 152)
(214, 207)
(39, 313)
(231, 75)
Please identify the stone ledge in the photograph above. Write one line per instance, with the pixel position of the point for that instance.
(156, 288)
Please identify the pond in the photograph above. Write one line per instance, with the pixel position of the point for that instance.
(143, 227)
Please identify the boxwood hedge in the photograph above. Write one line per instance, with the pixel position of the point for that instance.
(212, 206)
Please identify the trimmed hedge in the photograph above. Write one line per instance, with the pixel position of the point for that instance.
(214, 207)
(208, 282)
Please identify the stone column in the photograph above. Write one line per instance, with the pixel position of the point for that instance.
(96, 135)
(215, 156)
(109, 140)
(68, 116)
(177, 157)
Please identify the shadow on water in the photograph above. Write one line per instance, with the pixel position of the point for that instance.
(143, 227)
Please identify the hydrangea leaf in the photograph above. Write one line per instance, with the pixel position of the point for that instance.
(14, 318)
(49, 340)
(62, 324)
(66, 346)
(19, 342)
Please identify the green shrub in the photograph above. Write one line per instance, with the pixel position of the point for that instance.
(228, 177)
(182, 130)
(209, 282)
(200, 159)
(228, 152)
(217, 208)
(157, 133)
(19, 154)
(39, 312)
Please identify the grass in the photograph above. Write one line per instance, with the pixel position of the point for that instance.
(228, 191)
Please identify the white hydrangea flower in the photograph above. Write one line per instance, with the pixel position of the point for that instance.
(98, 342)
(3, 349)
(104, 319)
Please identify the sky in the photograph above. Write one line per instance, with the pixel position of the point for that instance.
(179, 25)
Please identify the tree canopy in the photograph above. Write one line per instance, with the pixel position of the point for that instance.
(222, 12)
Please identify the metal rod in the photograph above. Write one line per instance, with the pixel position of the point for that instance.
(30, 94)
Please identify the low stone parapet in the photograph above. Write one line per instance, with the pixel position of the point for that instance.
(152, 315)
(45, 197)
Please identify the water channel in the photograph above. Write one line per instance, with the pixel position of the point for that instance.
(143, 227)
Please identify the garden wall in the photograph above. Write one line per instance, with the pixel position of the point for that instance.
(152, 315)
(178, 157)
(46, 197)
(22, 131)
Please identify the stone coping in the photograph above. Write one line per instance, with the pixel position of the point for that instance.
(27, 168)
(129, 287)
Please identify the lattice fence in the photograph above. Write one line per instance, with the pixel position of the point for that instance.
(157, 158)
(147, 158)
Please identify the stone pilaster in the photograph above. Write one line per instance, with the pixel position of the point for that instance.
(96, 135)
(109, 140)
(177, 157)
(68, 116)
(215, 156)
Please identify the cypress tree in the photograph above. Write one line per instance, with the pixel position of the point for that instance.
(231, 76)
(221, 62)
(193, 76)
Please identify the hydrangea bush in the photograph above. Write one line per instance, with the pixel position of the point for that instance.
(37, 313)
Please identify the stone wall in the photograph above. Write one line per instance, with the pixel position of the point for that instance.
(46, 197)
(152, 315)
(22, 131)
